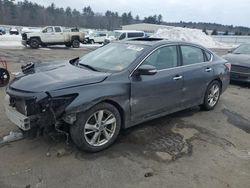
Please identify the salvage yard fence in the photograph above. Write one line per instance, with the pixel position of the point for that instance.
(232, 39)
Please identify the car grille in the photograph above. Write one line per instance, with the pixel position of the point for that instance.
(24, 36)
(240, 69)
(25, 107)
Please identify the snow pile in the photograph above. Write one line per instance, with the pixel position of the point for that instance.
(10, 41)
(189, 35)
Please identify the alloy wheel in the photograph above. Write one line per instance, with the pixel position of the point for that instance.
(100, 128)
(213, 95)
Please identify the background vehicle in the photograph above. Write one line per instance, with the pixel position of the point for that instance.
(117, 86)
(240, 60)
(52, 35)
(123, 34)
(14, 31)
(2, 31)
(96, 37)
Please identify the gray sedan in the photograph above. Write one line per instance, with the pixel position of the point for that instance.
(240, 60)
(115, 87)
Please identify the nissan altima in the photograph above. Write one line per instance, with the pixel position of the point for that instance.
(115, 87)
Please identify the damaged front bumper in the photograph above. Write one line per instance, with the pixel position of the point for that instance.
(26, 121)
(20, 120)
(30, 111)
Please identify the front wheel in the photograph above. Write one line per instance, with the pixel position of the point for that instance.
(212, 95)
(34, 43)
(97, 128)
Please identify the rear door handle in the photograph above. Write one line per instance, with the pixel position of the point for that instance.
(208, 69)
(177, 77)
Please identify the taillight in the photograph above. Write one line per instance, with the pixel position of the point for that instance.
(228, 65)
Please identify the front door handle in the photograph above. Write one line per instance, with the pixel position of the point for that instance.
(208, 69)
(177, 77)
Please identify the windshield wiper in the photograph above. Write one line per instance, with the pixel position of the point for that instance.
(88, 66)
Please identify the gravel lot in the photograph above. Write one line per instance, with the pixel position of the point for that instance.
(191, 148)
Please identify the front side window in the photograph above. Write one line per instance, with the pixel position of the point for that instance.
(163, 58)
(112, 57)
(123, 36)
(48, 30)
(191, 55)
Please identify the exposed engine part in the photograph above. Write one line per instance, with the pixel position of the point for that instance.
(57, 126)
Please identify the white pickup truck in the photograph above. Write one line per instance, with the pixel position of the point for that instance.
(53, 35)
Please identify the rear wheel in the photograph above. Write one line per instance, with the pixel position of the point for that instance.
(34, 43)
(75, 43)
(4, 77)
(212, 95)
(92, 41)
(97, 128)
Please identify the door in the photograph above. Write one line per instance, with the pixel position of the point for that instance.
(156, 94)
(47, 35)
(197, 74)
(58, 37)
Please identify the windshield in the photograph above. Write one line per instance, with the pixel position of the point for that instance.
(242, 49)
(118, 34)
(112, 57)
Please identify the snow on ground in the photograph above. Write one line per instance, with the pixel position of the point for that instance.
(190, 35)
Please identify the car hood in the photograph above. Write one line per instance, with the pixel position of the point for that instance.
(238, 59)
(56, 76)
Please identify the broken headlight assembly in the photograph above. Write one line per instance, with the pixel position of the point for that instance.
(57, 104)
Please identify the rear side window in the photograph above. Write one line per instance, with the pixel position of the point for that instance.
(192, 55)
(163, 58)
(134, 35)
(208, 55)
(57, 29)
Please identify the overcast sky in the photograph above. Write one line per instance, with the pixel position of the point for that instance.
(219, 11)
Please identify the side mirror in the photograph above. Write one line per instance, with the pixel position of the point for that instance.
(146, 70)
(230, 51)
(44, 31)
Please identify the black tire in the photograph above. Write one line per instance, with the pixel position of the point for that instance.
(77, 131)
(92, 41)
(68, 45)
(4, 77)
(34, 43)
(75, 43)
(206, 105)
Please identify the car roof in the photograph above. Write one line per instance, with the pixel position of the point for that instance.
(158, 42)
